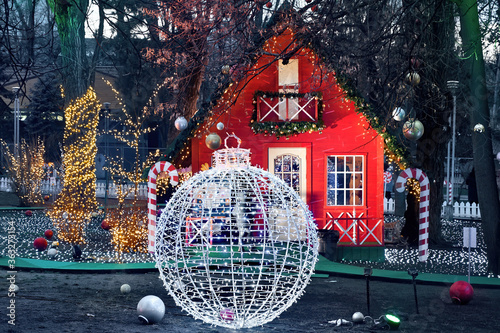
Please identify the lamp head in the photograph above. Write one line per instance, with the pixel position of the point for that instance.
(368, 271)
(392, 321)
(413, 272)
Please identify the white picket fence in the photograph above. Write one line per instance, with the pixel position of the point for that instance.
(55, 187)
(465, 210)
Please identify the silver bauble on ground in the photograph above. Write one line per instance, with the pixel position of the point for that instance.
(213, 141)
(413, 129)
(358, 317)
(125, 289)
(52, 252)
(150, 309)
(181, 123)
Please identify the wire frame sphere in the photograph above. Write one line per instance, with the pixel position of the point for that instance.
(235, 245)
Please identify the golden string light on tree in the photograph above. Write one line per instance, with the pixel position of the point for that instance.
(77, 201)
(128, 221)
(413, 187)
(26, 171)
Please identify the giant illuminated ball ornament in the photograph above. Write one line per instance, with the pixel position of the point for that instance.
(398, 114)
(180, 123)
(413, 129)
(213, 141)
(235, 245)
(150, 309)
(40, 244)
(461, 292)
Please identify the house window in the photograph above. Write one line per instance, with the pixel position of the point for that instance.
(345, 186)
(288, 82)
(288, 75)
(287, 167)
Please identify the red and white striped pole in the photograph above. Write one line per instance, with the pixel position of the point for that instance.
(159, 167)
(423, 237)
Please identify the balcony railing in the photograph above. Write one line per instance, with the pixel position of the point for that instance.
(286, 107)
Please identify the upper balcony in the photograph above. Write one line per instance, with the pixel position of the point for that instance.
(287, 107)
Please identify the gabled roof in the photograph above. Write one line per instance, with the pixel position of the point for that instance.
(280, 22)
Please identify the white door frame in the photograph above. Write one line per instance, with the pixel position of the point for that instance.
(301, 153)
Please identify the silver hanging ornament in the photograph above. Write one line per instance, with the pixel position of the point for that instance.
(235, 245)
(413, 129)
(479, 128)
(413, 78)
(225, 69)
(220, 126)
(181, 123)
(398, 114)
(213, 141)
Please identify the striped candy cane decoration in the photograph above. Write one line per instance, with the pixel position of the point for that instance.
(159, 167)
(423, 237)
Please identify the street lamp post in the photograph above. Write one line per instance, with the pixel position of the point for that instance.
(17, 115)
(453, 86)
(106, 154)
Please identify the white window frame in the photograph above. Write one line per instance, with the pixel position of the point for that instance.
(345, 187)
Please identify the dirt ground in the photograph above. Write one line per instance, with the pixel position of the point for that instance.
(49, 302)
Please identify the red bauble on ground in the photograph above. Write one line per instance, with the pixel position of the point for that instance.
(105, 225)
(461, 292)
(48, 234)
(40, 244)
(28, 213)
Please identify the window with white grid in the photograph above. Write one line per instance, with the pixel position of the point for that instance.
(345, 180)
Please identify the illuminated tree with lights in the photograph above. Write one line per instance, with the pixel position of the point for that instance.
(27, 170)
(128, 222)
(77, 200)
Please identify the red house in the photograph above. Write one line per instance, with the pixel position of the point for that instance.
(298, 123)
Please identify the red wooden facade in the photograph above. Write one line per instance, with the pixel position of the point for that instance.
(340, 161)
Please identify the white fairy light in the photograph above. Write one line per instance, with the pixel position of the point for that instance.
(235, 245)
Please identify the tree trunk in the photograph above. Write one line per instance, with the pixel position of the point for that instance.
(481, 140)
(70, 19)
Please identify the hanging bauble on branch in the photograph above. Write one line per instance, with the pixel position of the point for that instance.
(213, 141)
(479, 128)
(181, 123)
(398, 114)
(413, 129)
(220, 126)
(225, 69)
(235, 245)
(413, 78)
